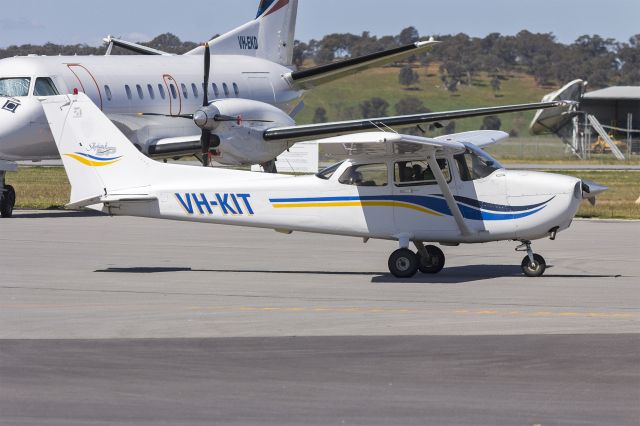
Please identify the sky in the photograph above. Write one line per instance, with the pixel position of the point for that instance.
(88, 21)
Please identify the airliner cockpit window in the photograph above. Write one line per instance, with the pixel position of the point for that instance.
(45, 87)
(14, 87)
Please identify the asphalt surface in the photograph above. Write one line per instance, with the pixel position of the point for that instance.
(134, 321)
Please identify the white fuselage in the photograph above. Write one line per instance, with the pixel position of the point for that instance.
(506, 205)
(125, 86)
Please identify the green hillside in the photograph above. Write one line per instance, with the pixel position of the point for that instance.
(342, 98)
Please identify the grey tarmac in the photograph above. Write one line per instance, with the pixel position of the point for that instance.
(132, 321)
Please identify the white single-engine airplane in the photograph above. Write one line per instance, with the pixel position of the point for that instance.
(395, 187)
(255, 95)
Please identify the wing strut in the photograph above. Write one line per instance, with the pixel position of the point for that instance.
(448, 196)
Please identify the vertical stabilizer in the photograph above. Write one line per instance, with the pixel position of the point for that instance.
(98, 158)
(270, 36)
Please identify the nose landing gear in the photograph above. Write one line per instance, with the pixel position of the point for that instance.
(533, 265)
(7, 197)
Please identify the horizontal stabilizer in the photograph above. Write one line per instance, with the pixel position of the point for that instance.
(324, 74)
(479, 138)
(110, 200)
(133, 47)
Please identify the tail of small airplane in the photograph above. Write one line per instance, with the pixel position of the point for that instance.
(270, 36)
(98, 158)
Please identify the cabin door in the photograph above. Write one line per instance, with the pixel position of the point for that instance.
(87, 83)
(173, 93)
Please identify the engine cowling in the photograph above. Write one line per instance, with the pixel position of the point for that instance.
(239, 125)
(243, 112)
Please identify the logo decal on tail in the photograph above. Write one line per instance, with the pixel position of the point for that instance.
(93, 161)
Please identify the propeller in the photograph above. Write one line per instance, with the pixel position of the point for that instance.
(205, 139)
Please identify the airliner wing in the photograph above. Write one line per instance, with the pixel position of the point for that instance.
(310, 78)
(315, 131)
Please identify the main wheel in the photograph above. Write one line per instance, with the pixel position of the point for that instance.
(534, 269)
(403, 263)
(433, 263)
(7, 202)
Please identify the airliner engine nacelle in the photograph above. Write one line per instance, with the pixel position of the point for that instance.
(236, 128)
(243, 112)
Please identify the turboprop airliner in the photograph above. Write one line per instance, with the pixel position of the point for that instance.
(161, 102)
(410, 189)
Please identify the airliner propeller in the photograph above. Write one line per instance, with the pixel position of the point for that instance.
(205, 139)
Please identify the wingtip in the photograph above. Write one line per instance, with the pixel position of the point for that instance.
(429, 42)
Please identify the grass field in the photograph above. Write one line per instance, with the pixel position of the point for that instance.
(342, 98)
(48, 187)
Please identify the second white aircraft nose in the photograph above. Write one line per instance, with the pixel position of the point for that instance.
(24, 131)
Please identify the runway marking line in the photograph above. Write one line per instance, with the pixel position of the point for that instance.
(458, 312)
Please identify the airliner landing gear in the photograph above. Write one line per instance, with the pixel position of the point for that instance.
(7, 197)
(533, 265)
(431, 259)
(269, 167)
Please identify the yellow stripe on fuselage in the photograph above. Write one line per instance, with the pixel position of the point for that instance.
(89, 162)
(357, 204)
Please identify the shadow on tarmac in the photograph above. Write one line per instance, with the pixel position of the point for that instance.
(451, 275)
(55, 214)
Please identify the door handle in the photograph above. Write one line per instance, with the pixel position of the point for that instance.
(406, 191)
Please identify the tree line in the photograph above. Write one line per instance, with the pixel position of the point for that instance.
(601, 61)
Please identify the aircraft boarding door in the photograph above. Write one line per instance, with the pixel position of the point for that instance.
(173, 93)
(419, 202)
(87, 83)
(261, 88)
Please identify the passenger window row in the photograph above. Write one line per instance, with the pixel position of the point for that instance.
(151, 93)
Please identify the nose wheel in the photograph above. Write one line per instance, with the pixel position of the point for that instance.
(533, 265)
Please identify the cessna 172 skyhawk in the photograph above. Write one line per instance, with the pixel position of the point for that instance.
(395, 187)
(248, 77)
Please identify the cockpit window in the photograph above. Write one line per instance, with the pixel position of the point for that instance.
(329, 171)
(475, 164)
(418, 172)
(44, 87)
(365, 175)
(14, 87)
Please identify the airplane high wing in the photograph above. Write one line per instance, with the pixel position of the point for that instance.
(311, 131)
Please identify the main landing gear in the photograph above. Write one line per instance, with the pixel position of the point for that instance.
(7, 197)
(533, 265)
(404, 263)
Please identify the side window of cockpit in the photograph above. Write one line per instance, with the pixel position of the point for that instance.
(417, 172)
(14, 87)
(365, 175)
(473, 167)
(44, 87)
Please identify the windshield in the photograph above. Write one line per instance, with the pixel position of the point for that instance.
(329, 171)
(14, 87)
(476, 164)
